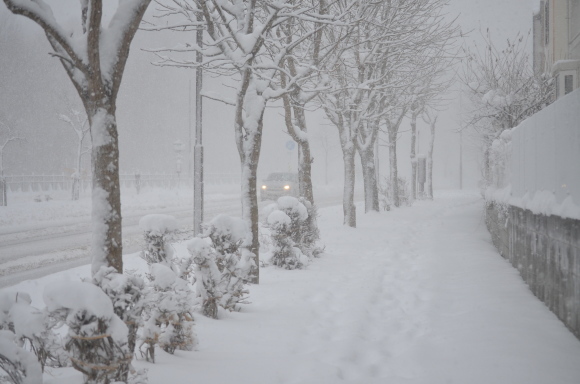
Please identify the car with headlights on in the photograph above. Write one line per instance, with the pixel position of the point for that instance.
(279, 184)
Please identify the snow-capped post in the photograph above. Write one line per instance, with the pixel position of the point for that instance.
(207, 276)
(157, 229)
(6, 137)
(94, 57)
(240, 40)
(97, 337)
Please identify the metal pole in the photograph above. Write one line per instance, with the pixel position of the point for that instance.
(189, 147)
(198, 149)
(461, 159)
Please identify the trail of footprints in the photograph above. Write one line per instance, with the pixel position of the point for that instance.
(370, 314)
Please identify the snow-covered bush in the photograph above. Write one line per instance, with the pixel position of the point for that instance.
(157, 230)
(97, 337)
(21, 366)
(310, 234)
(33, 329)
(207, 276)
(386, 193)
(284, 253)
(227, 235)
(126, 292)
(168, 319)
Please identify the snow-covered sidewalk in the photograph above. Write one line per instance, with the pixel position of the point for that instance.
(417, 295)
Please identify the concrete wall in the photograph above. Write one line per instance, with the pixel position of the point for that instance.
(546, 252)
(545, 151)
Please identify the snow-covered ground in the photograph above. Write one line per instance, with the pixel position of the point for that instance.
(416, 295)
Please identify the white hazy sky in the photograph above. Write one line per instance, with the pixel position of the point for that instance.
(153, 105)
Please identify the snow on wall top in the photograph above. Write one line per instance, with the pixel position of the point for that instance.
(536, 166)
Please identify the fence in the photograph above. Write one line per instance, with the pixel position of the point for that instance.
(41, 183)
(546, 151)
(537, 225)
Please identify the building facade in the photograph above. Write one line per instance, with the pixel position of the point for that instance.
(556, 28)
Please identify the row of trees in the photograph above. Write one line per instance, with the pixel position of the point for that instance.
(367, 64)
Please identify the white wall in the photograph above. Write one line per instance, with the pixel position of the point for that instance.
(546, 151)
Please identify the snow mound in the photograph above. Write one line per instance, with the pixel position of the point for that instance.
(78, 296)
(277, 218)
(292, 204)
(232, 226)
(198, 247)
(163, 277)
(158, 223)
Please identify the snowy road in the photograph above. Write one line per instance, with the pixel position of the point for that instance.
(33, 250)
(37, 250)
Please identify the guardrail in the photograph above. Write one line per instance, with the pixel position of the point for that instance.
(37, 183)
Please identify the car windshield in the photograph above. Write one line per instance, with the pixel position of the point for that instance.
(281, 177)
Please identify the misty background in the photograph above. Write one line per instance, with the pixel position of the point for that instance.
(153, 108)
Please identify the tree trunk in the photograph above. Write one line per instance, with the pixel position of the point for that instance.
(429, 164)
(348, 194)
(304, 156)
(394, 177)
(249, 141)
(367, 157)
(413, 156)
(107, 244)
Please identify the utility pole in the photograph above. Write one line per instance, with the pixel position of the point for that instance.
(198, 149)
(460, 159)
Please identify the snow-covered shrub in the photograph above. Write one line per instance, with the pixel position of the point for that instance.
(126, 292)
(168, 319)
(386, 191)
(21, 366)
(310, 234)
(303, 228)
(207, 276)
(33, 329)
(284, 253)
(227, 235)
(157, 230)
(97, 337)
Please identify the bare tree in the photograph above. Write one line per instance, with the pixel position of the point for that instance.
(243, 41)
(94, 57)
(78, 121)
(430, 118)
(6, 137)
(503, 89)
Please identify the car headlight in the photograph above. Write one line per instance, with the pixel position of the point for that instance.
(264, 187)
(286, 187)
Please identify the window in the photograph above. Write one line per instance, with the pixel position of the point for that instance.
(568, 86)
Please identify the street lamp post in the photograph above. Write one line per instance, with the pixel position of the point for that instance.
(178, 146)
(198, 148)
